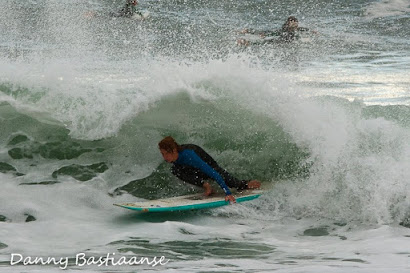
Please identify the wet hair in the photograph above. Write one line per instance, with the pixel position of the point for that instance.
(168, 144)
(286, 25)
(292, 18)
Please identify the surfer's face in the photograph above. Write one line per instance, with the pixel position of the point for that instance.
(169, 156)
(292, 23)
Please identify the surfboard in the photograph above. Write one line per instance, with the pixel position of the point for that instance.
(190, 202)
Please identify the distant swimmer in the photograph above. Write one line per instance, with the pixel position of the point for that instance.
(289, 32)
(193, 165)
(129, 10)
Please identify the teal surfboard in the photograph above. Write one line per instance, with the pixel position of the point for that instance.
(189, 202)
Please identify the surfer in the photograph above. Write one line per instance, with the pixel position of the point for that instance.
(129, 9)
(193, 165)
(289, 32)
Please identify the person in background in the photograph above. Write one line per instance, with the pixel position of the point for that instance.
(289, 32)
(193, 165)
(129, 9)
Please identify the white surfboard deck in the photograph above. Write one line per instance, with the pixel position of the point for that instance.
(189, 202)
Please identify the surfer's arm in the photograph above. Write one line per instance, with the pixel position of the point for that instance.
(268, 33)
(248, 30)
(195, 161)
(260, 42)
(303, 29)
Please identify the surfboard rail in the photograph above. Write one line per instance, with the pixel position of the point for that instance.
(189, 202)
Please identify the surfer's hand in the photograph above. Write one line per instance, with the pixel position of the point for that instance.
(207, 188)
(90, 14)
(230, 198)
(242, 42)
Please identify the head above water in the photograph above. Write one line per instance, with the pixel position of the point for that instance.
(292, 19)
(132, 2)
(291, 22)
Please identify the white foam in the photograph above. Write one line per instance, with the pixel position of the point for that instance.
(387, 8)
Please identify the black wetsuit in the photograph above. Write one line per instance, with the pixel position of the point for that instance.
(285, 34)
(195, 166)
(128, 10)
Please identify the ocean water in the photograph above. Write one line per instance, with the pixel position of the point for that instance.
(323, 122)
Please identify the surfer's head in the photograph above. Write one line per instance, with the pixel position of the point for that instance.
(291, 23)
(133, 2)
(169, 149)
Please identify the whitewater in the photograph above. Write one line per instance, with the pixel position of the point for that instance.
(323, 122)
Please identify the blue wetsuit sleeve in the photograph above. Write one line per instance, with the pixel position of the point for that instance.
(192, 159)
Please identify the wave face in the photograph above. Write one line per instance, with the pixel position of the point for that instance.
(334, 158)
(80, 88)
